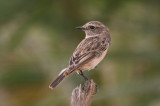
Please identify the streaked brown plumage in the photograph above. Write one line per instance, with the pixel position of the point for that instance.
(89, 52)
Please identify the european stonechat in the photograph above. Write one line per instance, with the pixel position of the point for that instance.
(89, 53)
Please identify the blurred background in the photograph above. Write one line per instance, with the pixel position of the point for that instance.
(37, 38)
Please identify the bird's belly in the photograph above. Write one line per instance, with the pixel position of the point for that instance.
(93, 63)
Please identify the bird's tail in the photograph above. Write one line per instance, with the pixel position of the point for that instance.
(60, 77)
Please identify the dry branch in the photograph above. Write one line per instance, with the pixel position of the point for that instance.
(83, 97)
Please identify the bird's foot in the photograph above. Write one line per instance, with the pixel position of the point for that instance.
(90, 87)
(87, 84)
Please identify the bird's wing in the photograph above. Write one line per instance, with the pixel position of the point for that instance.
(88, 49)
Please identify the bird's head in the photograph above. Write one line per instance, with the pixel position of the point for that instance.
(93, 28)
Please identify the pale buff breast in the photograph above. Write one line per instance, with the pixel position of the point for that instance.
(92, 64)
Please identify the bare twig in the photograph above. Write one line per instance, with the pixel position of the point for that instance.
(83, 97)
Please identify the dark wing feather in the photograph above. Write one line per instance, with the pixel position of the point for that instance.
(86, 51)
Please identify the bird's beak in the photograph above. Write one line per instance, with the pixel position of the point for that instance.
(80, 27)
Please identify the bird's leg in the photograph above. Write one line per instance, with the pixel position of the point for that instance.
(95, 67)
(87, 83)
(81, 73)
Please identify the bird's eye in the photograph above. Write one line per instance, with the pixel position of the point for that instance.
(92, 27)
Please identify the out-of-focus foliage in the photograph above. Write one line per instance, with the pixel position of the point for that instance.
(37, 38)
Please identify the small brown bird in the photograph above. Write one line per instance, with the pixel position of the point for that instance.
(88, 53)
